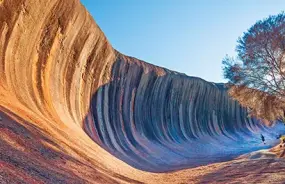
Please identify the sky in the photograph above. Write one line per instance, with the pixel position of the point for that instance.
(188, 36)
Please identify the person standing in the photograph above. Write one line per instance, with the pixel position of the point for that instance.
(263, 139)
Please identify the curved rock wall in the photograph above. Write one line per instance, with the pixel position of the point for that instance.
(55, 54)
(160, 120)
(58, 67)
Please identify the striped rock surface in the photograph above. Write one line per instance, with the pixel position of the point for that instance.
(160, 120)
(75, 110)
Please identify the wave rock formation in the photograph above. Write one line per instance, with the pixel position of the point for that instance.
(73, 109)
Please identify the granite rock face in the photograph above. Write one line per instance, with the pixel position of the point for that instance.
(59, 73)
(160, 120)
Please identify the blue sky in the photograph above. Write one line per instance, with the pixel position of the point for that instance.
(187, 36)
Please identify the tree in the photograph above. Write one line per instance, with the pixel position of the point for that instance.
(257, 75)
